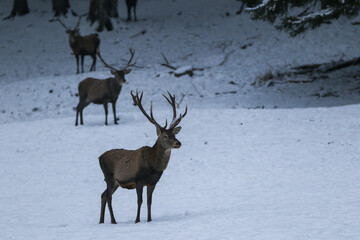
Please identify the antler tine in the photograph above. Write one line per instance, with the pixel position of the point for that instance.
(172, 103)
(137, 102)
(78, 23)
(178, 120)
(175, 121)
(129, 64)
(62, 24)
(103, 61)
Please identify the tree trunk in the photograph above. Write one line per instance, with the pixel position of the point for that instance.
(103, 11)
(60, 7)
(20, 8)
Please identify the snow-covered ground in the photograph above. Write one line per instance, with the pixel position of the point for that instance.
(240, 174)
(289, 171)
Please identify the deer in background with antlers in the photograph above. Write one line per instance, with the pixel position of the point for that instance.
(103, 91)
(142, 167)
(82, 45)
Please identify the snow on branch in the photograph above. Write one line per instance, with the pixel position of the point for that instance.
(261, 5)
(322, 13)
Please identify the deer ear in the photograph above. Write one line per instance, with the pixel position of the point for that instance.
(126, 71)
(112, 72)
(158, 131)
(176, 130)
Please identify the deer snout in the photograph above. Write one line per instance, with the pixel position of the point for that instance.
(177, 144)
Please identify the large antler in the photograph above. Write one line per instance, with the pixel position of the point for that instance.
(129, 64)
(106, 65)
(137, 102)
(62, 24)
(175, 121)
(78, 23)
(68, 28)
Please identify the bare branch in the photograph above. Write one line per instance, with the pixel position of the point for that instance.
(166, 64)
(142, 32)
(261, 5)
(226, 57)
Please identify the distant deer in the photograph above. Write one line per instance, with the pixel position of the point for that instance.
(131, 4)
(142, 167)
(103, 91)
(82, 45)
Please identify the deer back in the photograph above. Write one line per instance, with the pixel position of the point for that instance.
(96, 90)
(123, 165)
(84, 44)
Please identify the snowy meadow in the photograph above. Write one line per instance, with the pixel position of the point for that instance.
(259, 160)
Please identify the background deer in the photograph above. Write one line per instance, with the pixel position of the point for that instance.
(102, 91)
(142, 167)
(82, 45)
(131, 4)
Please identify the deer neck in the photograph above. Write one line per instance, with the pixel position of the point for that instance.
(114, 85)
(160, 157)
(72, 40)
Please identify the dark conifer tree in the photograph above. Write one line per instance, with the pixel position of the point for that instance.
(60, 7)
(20, 8)
(102, 11)
(297, 16)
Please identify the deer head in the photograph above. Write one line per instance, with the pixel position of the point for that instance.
(72, 32)
(166, 136)
(119, 74)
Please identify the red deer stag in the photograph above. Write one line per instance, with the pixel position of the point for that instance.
(142, 167)
(82, 45)
(103, 91)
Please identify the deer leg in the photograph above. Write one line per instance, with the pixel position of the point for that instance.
(114, 111)
(82, 63)
(139, 191)
(79, 109)
(110, 192)
(77, 64)
(135, 12)
(77, 114)
(81, 117)
(103, 205)
(94, 63)
(92, 68)
(128, 12)
(106, 111)
(150, 190)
